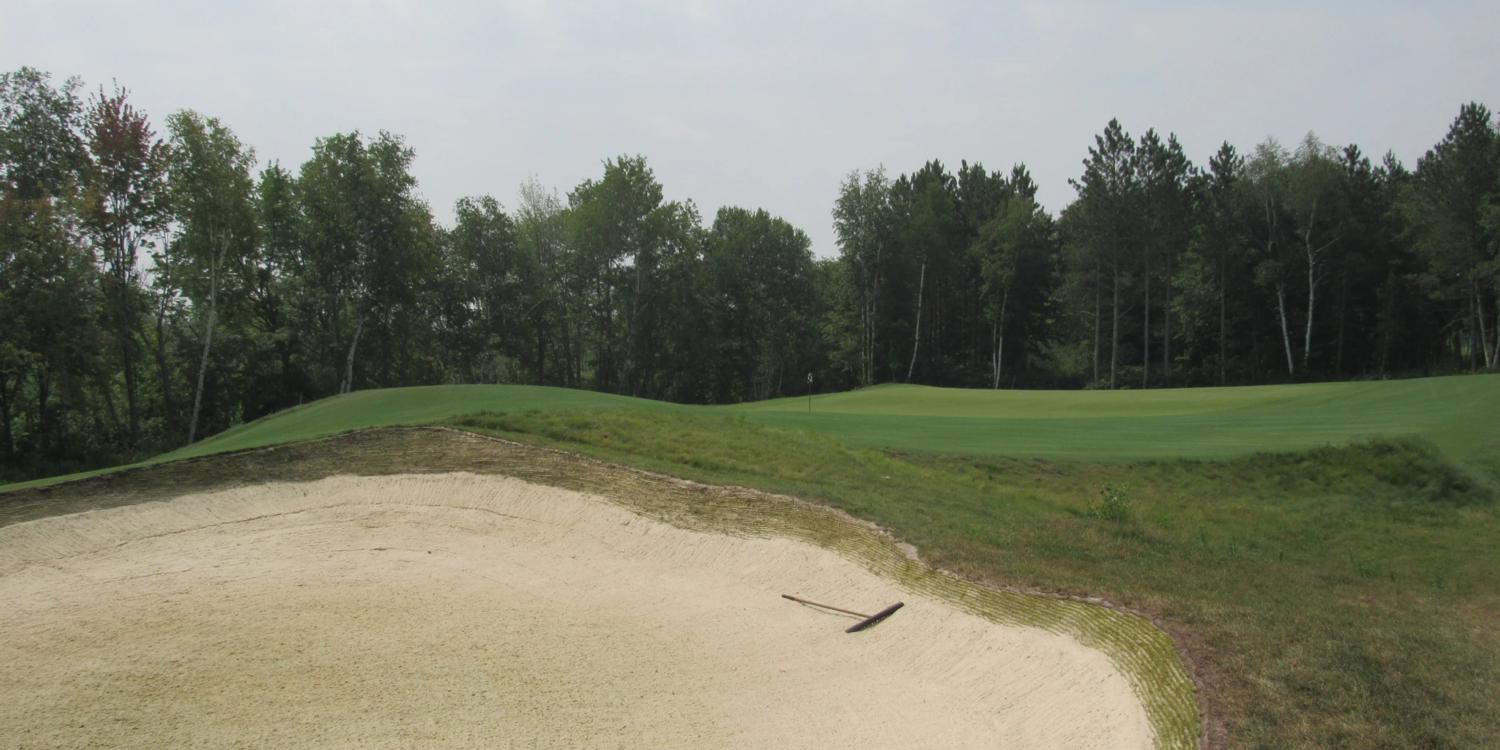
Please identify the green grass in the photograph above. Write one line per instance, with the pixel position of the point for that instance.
(1455, 413)
(403, 406)
(1326, 554)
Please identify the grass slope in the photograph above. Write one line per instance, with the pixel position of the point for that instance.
(390, 407)
(404, 406)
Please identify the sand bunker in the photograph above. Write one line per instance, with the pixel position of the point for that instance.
(462, 610)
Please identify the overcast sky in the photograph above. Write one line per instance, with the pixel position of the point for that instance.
(769, 105)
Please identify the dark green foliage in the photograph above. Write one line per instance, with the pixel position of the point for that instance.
(212, 258)
(123, 209)
(639, 260)
(1449, 206)
(763, 306)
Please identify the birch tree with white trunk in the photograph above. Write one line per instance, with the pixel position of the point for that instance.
(1267, 173)
(1312, 191)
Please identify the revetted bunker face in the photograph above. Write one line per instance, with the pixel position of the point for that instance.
(455, 609)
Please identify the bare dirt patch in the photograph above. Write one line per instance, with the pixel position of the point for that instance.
(470, 610)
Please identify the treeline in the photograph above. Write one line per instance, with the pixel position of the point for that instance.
(156, 287)
(1266, 267)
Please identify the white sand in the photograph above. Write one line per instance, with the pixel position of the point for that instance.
(461, 610)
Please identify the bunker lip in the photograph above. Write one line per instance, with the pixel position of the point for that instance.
(1165, 663)
(460, 609)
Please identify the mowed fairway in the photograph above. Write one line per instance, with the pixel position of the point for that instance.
(1456, 413)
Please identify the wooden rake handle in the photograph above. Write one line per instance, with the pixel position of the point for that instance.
(858, 626)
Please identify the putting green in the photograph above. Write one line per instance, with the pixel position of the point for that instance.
(1456, 413)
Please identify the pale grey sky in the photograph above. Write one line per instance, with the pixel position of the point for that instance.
(769, 105)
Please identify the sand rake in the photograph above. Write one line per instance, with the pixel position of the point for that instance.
(868, 620)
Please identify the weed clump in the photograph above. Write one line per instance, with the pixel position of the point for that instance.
(1113, 505)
